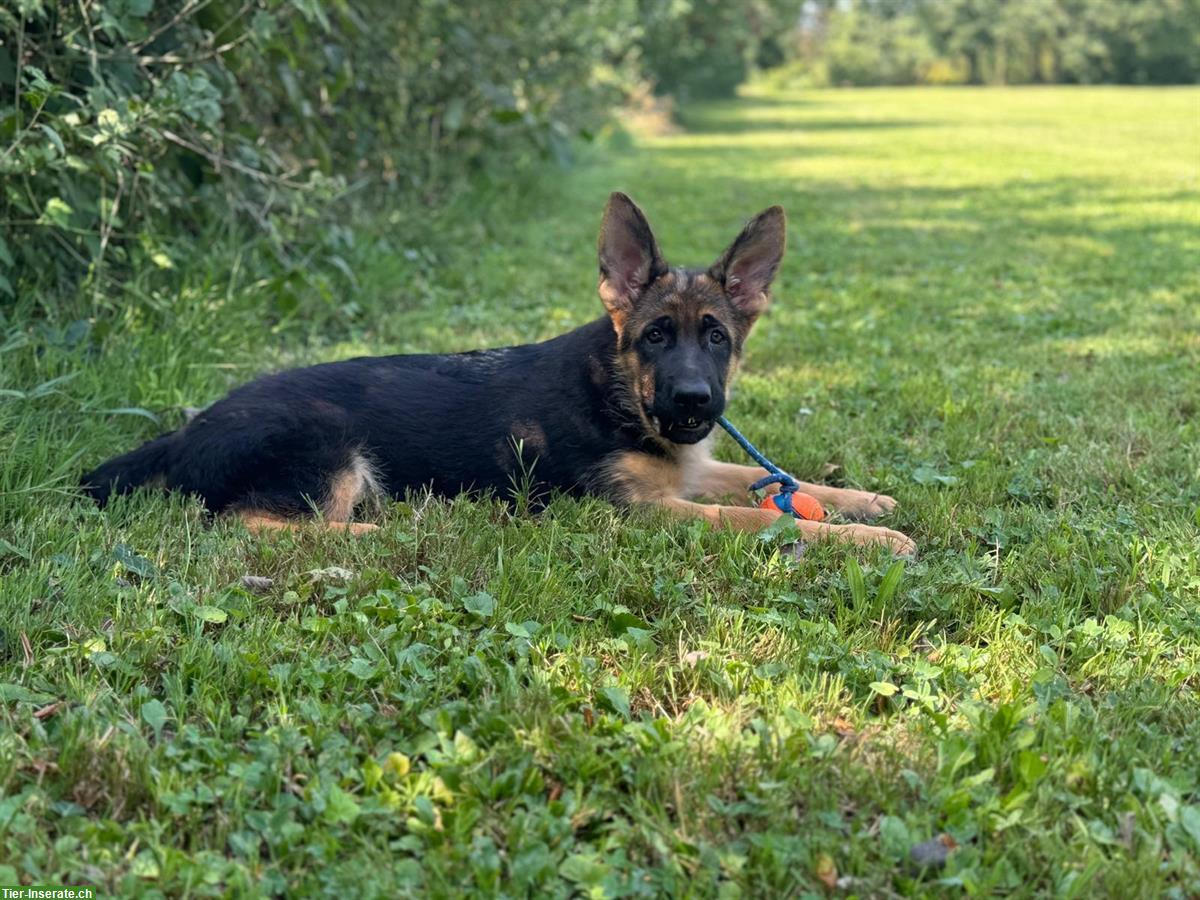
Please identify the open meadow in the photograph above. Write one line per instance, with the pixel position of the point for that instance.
(989, 309)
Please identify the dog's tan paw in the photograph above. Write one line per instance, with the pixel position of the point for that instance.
(864, 505)
(355, 528)
(863, 535)
(899, 543)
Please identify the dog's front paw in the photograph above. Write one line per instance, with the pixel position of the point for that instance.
(863, 506)
(863, 535)
(899, 543)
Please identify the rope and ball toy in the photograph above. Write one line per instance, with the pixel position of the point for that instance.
(790, 498)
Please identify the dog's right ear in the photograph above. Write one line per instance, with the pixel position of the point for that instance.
(629, 257)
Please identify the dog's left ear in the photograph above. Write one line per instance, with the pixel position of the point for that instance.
(748, 267)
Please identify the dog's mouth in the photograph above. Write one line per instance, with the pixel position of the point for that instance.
(685, 431)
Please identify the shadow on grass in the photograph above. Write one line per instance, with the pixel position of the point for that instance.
(745, 123)
(1078, 223)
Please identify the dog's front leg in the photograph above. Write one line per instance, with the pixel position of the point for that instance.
(729, 480)
(739, 518)
(743, 518)
(644, 480)
(260, 522)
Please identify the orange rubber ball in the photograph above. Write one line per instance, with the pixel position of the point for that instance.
(804, 506)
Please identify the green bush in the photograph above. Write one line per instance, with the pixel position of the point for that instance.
(706, 48)
(865, 50)
(106, 114)
(130, 129)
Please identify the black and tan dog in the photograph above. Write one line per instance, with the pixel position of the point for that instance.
(619, 408)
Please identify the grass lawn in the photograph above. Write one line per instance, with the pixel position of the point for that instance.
(990, 309)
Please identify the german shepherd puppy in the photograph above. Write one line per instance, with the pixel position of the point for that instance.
(620, 408)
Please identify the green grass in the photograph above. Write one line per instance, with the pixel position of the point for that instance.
(990, 309)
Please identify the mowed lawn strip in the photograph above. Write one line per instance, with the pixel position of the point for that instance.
(989, 309)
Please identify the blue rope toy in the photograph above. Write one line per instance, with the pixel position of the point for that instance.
(787, 484)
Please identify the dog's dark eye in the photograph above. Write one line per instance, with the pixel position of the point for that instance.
(716, 336)
(654, 335)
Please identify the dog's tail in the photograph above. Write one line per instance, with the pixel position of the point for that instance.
(124, 473)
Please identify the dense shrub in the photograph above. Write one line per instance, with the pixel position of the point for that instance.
(106, 114)
(706, 48)
(128, 127)
(865, 50)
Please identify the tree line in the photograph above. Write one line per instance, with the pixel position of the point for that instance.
(896, 42)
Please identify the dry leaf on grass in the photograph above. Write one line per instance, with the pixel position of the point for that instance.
(827, 870)
(47, 711)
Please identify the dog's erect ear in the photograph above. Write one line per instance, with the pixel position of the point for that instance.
(747, 268)
(629, 257)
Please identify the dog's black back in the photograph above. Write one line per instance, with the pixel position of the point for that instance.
(542, 415)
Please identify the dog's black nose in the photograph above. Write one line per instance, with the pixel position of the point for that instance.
(692, 396)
